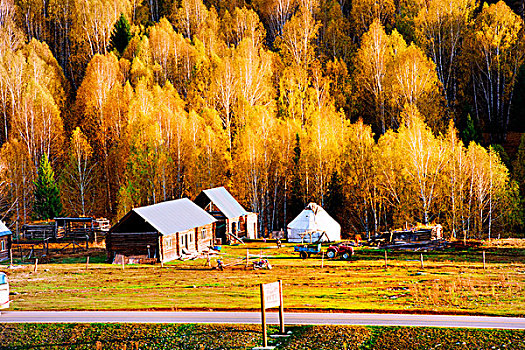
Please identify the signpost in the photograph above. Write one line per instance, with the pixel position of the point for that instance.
(271, 296)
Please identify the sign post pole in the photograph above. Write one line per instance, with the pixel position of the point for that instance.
(263, 317)
(281, 307)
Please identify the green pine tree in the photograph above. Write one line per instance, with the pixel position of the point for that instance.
(296, 202)
(470, 133)
(121, 35)
(47, 196)
(518, 171)
(502, 155)
(335, 197)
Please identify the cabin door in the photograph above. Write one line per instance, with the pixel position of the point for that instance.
(220, 231)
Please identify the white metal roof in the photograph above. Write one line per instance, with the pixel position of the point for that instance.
(174, 216)
(225, 202)
(4, 231)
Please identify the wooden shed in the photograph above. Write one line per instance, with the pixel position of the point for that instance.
(164, 231)
(233, 221)
(5, 241)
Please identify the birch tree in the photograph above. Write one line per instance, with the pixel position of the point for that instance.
(298, 35)
(494, 51)
(413, 81)
(364, 12)
(361, 178)
(93, 100)
(37, 118)
(425, 161)
(441, 27)
(224, 86)
(79, 179)
(372, 61)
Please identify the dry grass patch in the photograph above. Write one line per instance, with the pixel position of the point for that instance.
(450, 282)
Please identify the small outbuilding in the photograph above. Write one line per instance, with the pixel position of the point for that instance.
(233, 221)
(165, 231)
(311, 224)
(5, 241)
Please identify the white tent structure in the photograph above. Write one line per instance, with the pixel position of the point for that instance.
(310, 225)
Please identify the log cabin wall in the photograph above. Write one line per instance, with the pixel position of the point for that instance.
(250, 225)
(132, 243)
(5, 245)
(170, 246)
(205, 236)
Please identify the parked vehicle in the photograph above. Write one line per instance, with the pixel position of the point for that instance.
(306, 250)
(344, 250)
(4, 291)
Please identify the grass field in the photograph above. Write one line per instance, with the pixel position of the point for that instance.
(198, 337)
(452, 282)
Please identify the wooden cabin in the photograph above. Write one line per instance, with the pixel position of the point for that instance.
(165, 231)
(5, 241)
(233, 221)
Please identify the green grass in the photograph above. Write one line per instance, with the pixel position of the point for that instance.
(191, 336)
(450, 282)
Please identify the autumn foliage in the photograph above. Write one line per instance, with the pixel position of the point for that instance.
(283, 102)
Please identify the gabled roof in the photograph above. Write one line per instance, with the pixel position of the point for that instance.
(4, 231)
(173, 216)
(223, 200)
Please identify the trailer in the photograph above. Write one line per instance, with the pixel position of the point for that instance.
(306, 250)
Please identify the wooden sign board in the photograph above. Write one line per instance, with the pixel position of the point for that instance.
(272, 295)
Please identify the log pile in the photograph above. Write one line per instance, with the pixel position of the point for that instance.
(431, 237)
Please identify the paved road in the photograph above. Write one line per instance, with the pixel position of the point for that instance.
(254, 317)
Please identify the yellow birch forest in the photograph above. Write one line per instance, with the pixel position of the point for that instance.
(384, 112)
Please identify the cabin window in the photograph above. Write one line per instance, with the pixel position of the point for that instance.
(203, 233)
(167, 242)
(2, 245)
(190, 236)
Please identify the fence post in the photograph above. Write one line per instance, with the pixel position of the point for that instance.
(422, 261)
(484, 266)
(36, 265)
(87, 262)
(386, 260)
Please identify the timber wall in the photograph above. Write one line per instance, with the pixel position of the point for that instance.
(132, 243)
(5, 241)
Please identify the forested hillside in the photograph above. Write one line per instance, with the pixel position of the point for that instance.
(373, 109)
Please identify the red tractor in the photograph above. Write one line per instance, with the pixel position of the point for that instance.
(344, 250)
